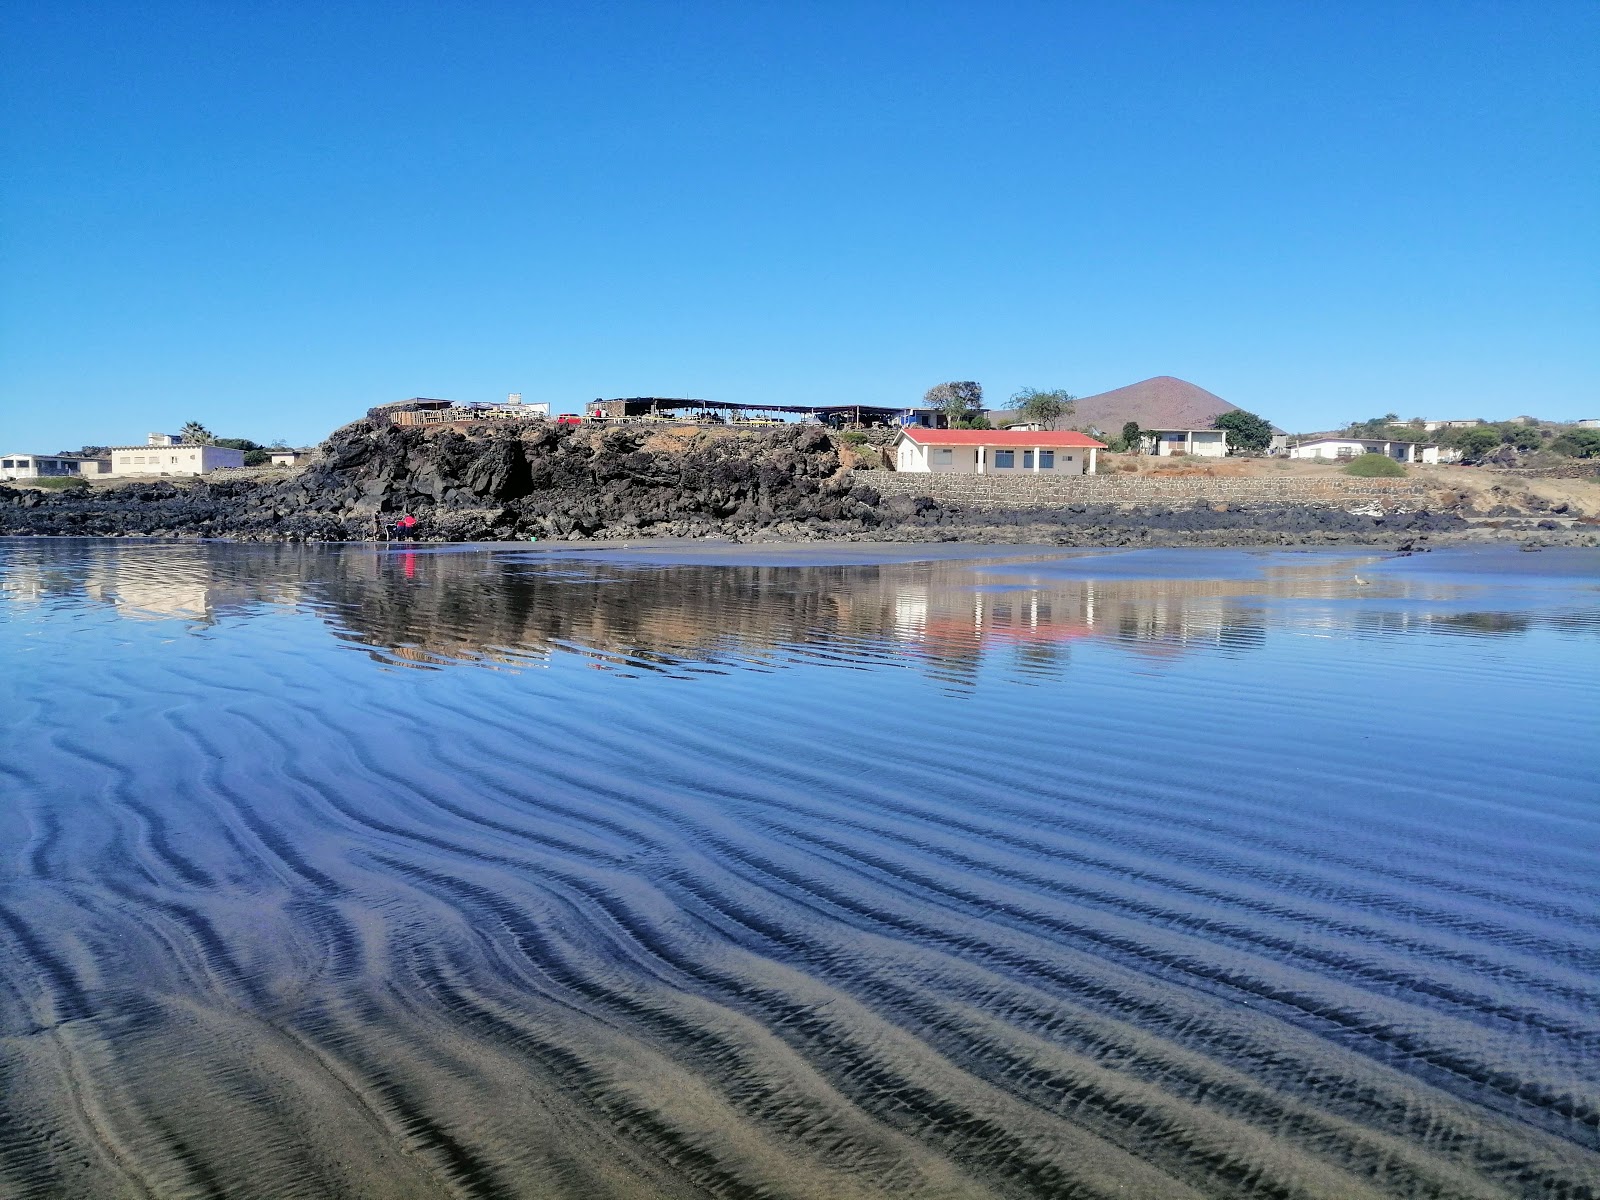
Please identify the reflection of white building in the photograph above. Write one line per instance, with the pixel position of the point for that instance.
(1349, 447)
(995, 452)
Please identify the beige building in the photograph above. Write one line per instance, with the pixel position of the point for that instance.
(168, 454)
(1207, 443)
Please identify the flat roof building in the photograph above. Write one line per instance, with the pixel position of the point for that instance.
(38, 466)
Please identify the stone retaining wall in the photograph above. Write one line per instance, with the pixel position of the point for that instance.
(991, 491)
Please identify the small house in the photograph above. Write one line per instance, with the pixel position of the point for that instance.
(1349, 447)
(37, 466)
(995, 451)
(1207, 443)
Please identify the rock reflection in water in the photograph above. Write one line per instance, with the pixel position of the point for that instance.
(1251, 888)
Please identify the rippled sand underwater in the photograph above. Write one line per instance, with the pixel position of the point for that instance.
(343, 872)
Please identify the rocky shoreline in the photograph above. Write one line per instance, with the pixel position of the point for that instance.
(544, 481)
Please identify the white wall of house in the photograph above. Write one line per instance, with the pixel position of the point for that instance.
(172, 460)
(1207, 443)
(36, 466)
(992, 460)
(1350, 447)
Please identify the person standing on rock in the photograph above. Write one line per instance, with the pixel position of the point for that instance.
(405, 525)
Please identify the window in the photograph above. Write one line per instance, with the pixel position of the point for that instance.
(1005, 458)
(22, 462)
(944, 457)
(1345, 452)
(6, 462)
(1047, 460)
(1027, 460)
(174, 458)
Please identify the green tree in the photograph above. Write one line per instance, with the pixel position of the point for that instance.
(1045, 408)
(1475, 443)
(197, 434)
(1374, 427)
(958, 400)
(1578, 443)
(1247, 433)
(1133, 437)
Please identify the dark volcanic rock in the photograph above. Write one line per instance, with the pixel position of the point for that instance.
(531, 481)
(542, 481)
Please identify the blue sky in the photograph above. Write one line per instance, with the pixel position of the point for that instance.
(268, 217)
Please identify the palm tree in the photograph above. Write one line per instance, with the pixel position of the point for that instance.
(196, 434)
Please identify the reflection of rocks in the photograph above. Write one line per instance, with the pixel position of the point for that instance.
(951, 618)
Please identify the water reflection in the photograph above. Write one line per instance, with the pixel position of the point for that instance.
(1311, 916)
(950, 618)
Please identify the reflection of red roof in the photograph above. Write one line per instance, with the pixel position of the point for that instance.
(1050, 440)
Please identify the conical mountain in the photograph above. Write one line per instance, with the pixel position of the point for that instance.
(1160, 403)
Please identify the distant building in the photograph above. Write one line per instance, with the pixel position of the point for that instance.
(38, 466)
(171, 458)
(994, 451)
(1206, 443)
(1589, 423)
(1465, 423)
(288, 458)
(1349, 447)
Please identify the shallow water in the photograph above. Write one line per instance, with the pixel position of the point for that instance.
(338, 872)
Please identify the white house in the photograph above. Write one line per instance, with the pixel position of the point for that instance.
(1349, 447)
(289, 458)
(37, 466)
(167, 459)
(1207, 443)
(995, 451)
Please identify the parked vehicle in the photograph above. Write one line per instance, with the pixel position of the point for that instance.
(569, 419)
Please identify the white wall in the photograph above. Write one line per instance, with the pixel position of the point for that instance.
(35, 466)
(1350, 447)
(1203, 443)
(963, 460)
(912, 457)
(173, 460)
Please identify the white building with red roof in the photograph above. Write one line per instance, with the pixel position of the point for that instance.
(995, 451)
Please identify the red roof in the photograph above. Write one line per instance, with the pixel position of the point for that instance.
(1021, 438)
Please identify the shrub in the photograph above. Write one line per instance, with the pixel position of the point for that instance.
(1374, 466)
(53, 483)
(1578, 443)
(852, 437)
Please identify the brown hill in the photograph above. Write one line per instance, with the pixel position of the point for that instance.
(1159, 403)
